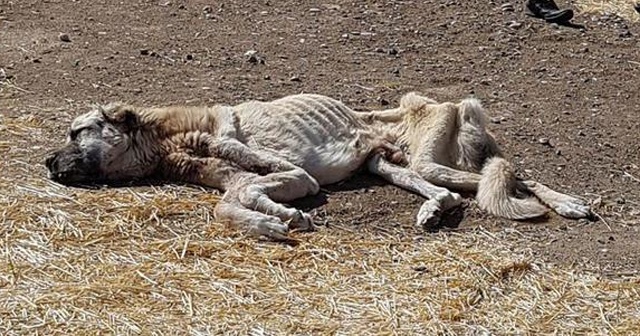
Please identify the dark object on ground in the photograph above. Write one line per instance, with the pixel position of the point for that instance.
(637, 7)
(548, 10)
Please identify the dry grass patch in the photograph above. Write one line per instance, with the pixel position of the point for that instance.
(623, 8)
(151, 260)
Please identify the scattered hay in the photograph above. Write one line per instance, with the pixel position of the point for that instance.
(623, 8)
(152, 260)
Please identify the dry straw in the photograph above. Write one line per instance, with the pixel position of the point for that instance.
(152, 260)
(623, 8)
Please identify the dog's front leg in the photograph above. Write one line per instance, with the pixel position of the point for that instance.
(220, 174)
(230, 210)
(263, 194)
(439, 199)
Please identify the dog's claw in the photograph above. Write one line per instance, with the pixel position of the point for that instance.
(273, 229)
(302, 221)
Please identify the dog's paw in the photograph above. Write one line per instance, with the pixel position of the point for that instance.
(273, 228)
(429, 215)
(451, 200)
(302, 221)
(574, 209)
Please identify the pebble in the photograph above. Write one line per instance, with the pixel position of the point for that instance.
(515, 25)
(294, 79)
(314, 10)
(253, 57)
(507, 7)
(207, 9)
(64, 37)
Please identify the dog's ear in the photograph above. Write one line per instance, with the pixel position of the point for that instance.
(121, 115)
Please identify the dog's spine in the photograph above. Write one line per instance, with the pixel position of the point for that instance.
(496, 193)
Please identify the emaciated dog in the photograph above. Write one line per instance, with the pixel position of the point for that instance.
(263, 154)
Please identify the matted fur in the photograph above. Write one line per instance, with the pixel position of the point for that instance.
(262, 154)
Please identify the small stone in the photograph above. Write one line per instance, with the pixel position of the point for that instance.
(266, 77)
(144, 52)
(294, 79)
(314, 10)
(188, 57)
(545, 141)
(392, 51)
(207, 9)
(515, 25)
(253, 57)
(507, 7)
(379, 50)
(420, 268)
(496, 120)
(64, 37)
(554, 26)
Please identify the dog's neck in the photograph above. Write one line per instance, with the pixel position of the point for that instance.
(166, 122)
(172, 129)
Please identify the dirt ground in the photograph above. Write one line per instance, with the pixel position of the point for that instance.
(564, 100)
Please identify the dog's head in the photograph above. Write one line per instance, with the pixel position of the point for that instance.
(101, 146)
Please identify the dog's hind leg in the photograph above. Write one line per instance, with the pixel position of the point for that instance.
(439, 199)
(564, 205)
(447, 177)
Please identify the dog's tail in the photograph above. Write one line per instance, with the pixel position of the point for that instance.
(496, 193)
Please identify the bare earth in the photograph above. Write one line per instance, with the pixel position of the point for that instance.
(564, 101)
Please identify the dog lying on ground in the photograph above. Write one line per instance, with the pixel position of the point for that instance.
(264, 154)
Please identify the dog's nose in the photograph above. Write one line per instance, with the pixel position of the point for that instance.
(50, 161)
